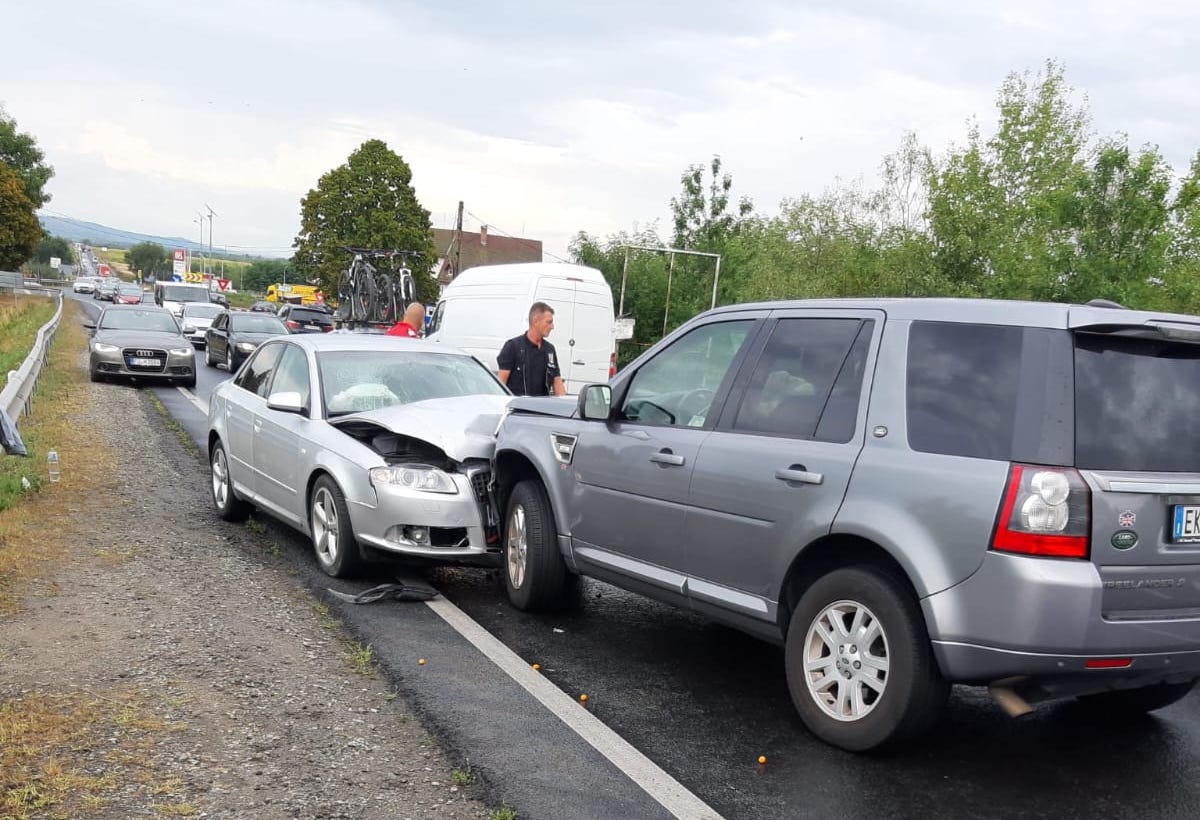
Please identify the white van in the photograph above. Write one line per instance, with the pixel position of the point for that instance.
(172, 295)
(486, 306)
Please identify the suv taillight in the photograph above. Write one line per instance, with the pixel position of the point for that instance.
(292, 324)
(612, 365)
(1045, 511)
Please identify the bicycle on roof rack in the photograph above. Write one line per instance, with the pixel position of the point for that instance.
(370, 294)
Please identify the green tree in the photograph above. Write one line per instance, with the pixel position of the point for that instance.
(19, 228)
(53, 246)
(1121, 218)
(148, 258)
(366, 202)
(263, 272)
(999, 210)
(20, 153)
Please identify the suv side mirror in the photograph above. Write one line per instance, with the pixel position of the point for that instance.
(595, 402)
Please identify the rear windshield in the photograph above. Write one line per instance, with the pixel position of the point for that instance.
(1136, 404)
(310, 316)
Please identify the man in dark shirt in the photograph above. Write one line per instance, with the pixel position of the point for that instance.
(528, 363)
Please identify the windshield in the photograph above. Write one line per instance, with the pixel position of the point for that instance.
(255, 323)
(151, 320)
(183, 293)
(354, 381)
(1135, 404)
(203, 310)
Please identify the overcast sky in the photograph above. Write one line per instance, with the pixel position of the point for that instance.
(546, 118)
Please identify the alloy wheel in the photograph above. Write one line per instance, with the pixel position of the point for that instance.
(325, 526)
(220, 478)
(517, 547)
(846, 660)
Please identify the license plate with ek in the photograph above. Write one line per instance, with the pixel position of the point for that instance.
(1185, 526)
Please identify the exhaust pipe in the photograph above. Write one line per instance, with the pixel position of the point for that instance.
(1005, 695)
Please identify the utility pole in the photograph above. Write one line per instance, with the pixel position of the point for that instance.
(458, 242)
(211, 214)
(199, 218)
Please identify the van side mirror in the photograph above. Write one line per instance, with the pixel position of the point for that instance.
(595, 402)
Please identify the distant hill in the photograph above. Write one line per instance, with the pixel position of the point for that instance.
(75, 230)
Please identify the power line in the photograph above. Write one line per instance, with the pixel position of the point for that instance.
(523, 241)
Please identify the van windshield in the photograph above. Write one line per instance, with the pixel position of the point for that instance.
(1135, 404)
(183, 293)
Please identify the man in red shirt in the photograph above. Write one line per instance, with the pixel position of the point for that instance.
(414, 317)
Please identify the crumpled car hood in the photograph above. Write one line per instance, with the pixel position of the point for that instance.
(462, 427)
(563, 406)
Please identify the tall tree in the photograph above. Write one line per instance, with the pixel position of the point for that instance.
(20, 153)
(19, 228)
(999, 209)
(701, 213)
(148, 258)
(263, 272)
(53, 246)
(366, 202)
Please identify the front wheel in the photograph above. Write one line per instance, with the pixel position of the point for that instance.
(860, 667)
(535, 576)
(332, 536)
(1127, 702)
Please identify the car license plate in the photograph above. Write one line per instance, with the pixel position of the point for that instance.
(144, 362)
(1186, 523)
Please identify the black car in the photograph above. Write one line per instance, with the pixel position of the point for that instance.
(234, 335)
(262, 306)
(305, 319)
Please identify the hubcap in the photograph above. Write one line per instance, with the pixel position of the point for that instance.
(220, 478)
(325, 526)
(517, 546)
(846, 661)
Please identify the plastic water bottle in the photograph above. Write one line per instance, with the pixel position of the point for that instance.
(52, 464)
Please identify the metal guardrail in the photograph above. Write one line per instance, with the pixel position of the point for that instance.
(17, 394)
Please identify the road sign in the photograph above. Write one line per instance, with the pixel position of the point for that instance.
(178, 263)
(198, 278)
(55, 262)
(222, 284)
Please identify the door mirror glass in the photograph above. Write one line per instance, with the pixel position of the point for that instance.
(595, 401)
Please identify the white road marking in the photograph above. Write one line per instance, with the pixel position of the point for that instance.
(640, 769)
(200, 405)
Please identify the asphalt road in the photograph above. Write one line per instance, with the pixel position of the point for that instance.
(703, 702)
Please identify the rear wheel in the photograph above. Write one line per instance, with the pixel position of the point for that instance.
(535, 576)
(1126, 702)
(860, 667)
(229, 506)
(332, 536)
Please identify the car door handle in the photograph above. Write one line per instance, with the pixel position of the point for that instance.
(798, 474)
(579, 361)
(667, 459)
(257, 425)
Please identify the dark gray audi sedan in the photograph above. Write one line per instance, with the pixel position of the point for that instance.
(140, 341)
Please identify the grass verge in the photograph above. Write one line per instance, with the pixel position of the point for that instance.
(20, 318)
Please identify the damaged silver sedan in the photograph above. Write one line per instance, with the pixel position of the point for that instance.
(361, 442)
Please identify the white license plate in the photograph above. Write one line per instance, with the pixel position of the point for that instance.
(1186, 525)
(145, 362)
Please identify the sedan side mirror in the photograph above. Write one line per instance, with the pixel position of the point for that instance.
(595, 402)
(286, 402)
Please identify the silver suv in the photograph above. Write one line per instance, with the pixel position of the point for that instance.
(905, 493)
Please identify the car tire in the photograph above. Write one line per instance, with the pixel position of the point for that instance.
(230, 360)
(209, 361)
(535, 575)
(332, 535)
(189, 382)
(860, 667)
(225, 499)
(94, 374)
(1133, 702)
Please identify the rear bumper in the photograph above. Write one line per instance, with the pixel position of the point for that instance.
(1043, 618)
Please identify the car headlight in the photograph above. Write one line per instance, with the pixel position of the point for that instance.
(414, 477)
(101, 347)
(183, 351)
(245, 347)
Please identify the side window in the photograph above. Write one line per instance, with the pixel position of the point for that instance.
(436, 321)
(962, 388)
(292, 374)
(794, 376)
(219, 322)
(677, 387)
(841, 411)
(256, 375)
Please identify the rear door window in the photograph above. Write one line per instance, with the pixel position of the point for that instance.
(794, 375)
(1136, 404)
